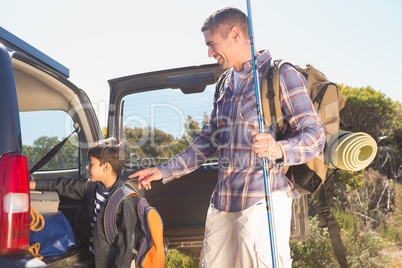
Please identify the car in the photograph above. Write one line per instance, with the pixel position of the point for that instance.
(156, 113)
(38, 103)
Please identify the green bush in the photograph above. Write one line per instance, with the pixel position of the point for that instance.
(368, 209)
(366, 206)
(362, 248)
(176, 259)
(316, 251)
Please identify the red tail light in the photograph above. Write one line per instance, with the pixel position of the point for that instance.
(14, 204)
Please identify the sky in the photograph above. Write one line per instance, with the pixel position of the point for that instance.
(354, 42)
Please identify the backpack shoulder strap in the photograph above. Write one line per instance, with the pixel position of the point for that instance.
(90, 187)
(220, 82)
(268, 94)
(271, 96)
(110, 212)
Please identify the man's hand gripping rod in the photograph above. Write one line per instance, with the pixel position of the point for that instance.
(268, 196)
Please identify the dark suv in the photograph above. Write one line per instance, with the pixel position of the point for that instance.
(156, 113)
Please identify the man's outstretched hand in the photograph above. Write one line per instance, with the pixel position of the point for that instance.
(145, 177)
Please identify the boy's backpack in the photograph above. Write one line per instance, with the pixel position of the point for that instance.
(150, 246)
(308, 178)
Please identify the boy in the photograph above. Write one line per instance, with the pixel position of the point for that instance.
(106, 158)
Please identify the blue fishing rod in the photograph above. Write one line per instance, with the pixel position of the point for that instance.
(268, 196)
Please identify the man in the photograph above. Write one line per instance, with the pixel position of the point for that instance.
(236, 231)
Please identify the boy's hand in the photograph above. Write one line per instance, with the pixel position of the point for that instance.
(266, 146)
(145, 177)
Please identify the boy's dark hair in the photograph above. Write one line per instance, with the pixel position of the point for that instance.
(108, 150)
(224, 20)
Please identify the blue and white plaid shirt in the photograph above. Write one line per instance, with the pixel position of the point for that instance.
(233, 117)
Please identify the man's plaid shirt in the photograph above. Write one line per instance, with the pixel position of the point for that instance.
(233, 117)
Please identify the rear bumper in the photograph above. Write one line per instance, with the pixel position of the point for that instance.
(77, 257)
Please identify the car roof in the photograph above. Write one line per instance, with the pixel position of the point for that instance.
(14, 43)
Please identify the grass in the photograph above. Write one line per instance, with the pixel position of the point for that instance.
(175, 259)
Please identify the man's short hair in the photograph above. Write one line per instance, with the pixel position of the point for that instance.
(109, 150)
(224, 20)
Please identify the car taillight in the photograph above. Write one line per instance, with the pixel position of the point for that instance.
(14, 204)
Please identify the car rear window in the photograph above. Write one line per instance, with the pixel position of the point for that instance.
(161, 123)
(41, 131)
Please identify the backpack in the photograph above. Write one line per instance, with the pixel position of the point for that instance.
(308, 178)
(327, 100)
(150, 246)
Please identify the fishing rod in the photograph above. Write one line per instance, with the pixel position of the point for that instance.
(268, 195)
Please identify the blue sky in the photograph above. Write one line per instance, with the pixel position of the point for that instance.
(356, 43)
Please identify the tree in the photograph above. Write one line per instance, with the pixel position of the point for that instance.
(370, 111)
(66, 158)
(191, 130)
(148, 147)
(104, 132)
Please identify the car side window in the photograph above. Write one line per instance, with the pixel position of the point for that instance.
(159, 124)
(41, 131)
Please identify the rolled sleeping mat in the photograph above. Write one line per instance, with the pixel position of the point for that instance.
(351, 151)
